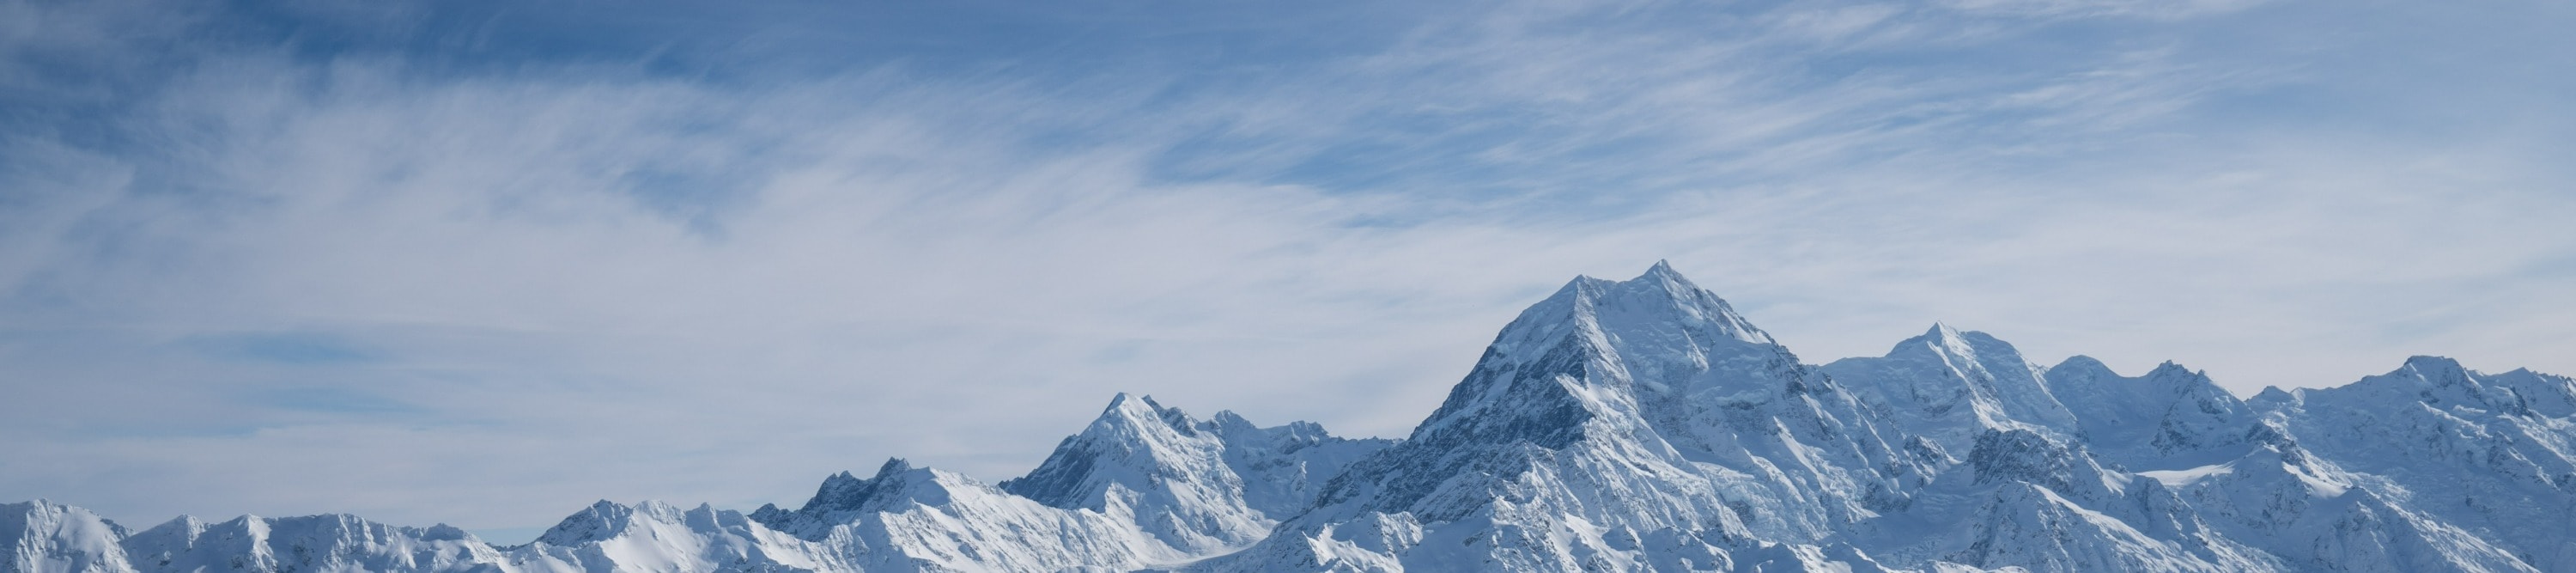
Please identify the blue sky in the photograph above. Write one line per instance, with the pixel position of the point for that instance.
(482, 263)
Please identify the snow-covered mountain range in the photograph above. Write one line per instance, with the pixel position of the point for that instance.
(1637, 425)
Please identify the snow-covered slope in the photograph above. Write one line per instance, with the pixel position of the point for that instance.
(42, 536)
(919, 519)
(1628, 425)
(1954, 386)
(1638, 425)
(2490, 455)
(2169, 418)
(1202, 487)
(2027, 499)
(655, 536)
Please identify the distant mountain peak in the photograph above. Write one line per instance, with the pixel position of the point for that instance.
(1657, 332)
(2431, 365)
(2170, 368)
(1134, 413)
(1951, 384)
(1663, 274)
(2080, 367)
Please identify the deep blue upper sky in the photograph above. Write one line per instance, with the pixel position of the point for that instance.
(483, 262)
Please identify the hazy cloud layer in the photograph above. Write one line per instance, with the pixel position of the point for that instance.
(484, 264)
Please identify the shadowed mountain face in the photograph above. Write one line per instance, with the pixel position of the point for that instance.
(1637, 425)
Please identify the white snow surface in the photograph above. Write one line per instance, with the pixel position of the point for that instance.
(1638, 425)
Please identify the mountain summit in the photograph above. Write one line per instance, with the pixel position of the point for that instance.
(1637, 425)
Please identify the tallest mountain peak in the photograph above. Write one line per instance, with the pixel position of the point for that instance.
(1657, 307)
(1662, 298)
(1663, 269)
(1659, 274)
(1662, 276)
(1657, 334)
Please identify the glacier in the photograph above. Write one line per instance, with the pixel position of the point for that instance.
(1637, 425)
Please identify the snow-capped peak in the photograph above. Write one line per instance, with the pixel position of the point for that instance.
(1197, 486)
(1661, 298)
(2079, 369)
(1659, 301)
(1950, 385)
(601, 520)
(2171, 417)
(2442, 384)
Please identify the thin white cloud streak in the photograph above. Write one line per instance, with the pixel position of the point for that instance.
(2158, 9)
(898, 265)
